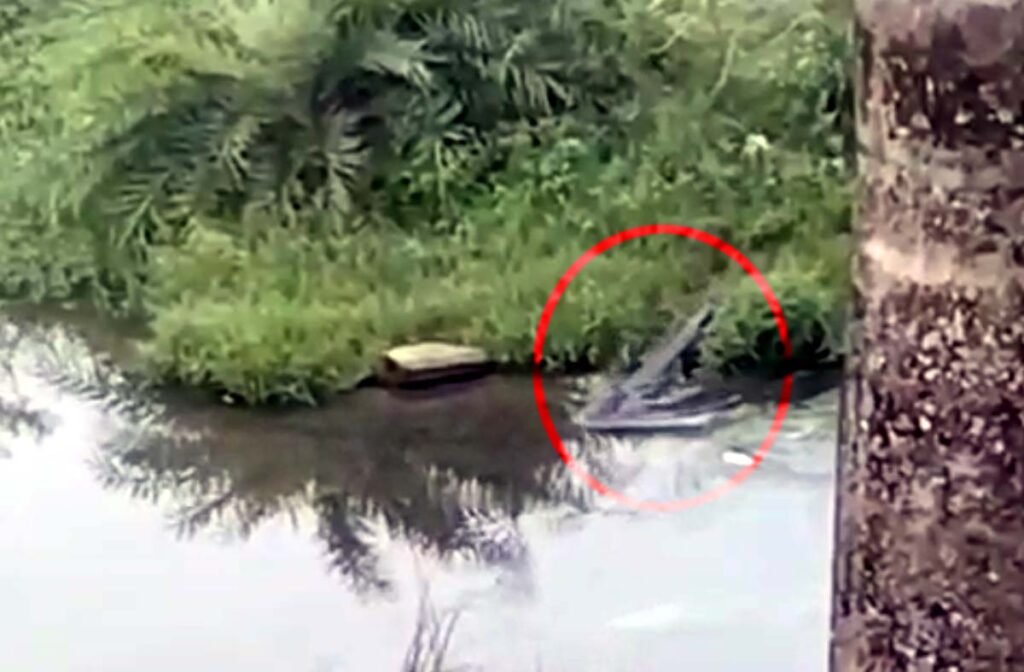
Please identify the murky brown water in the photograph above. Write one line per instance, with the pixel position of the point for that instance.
(162, 535)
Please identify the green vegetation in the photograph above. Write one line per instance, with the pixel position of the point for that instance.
(282, 188)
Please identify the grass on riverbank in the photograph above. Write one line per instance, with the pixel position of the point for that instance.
(735, 121)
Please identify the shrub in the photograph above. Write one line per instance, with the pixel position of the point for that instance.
(286, 188)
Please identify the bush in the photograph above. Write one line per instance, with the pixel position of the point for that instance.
(286, 188)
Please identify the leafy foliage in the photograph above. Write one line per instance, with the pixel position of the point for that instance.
(286, 186)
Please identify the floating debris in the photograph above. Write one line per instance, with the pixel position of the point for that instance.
(431, 363)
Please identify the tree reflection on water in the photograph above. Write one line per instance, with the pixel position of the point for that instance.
(448, 471)
(20, 415)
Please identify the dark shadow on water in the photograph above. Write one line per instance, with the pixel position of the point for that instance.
(457, 471)
(448, 469)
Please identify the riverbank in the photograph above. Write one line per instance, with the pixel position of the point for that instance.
(446, 200)
(302, 539)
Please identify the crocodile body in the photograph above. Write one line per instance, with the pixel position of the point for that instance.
(655, 398)
(652, 399)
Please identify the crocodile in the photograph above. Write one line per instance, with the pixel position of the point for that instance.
(655, 398)
(651, 398)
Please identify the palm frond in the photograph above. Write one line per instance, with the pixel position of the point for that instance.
(384, 52)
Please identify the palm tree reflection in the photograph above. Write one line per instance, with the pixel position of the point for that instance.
(20, 414)
(449, 472)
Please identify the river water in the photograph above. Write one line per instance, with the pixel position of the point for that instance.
(154, 532)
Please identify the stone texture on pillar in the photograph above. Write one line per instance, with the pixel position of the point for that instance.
(929, 548)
